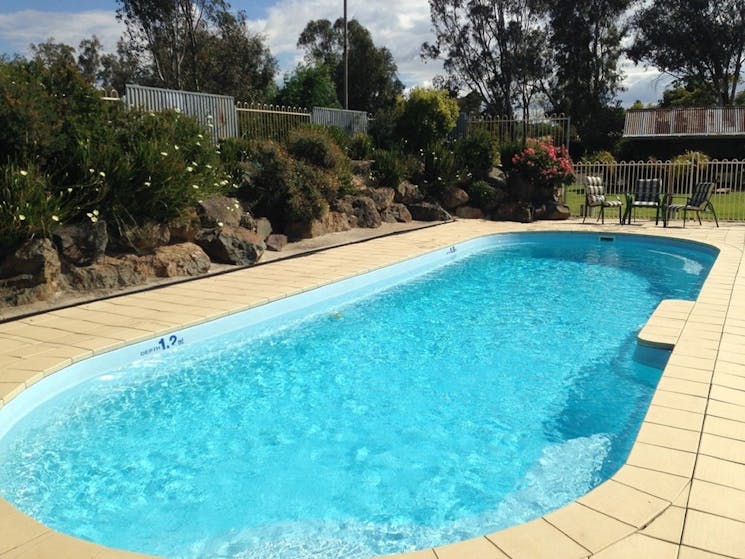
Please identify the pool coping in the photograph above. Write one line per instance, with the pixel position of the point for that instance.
(680, 494)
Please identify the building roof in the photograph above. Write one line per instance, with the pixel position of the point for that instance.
(710, 122)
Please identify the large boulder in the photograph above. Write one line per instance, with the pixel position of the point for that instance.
(427, 211)
(552, 210)
(82, 244)
(110, 273)
(400, 213)
(366, 211)
(383, 197)
(454, 197)
(512, 210)
(407, 193)
(263, 227)
(332, 222)
(276, 242)
(185, 259)
(31, 273)
(231, 245)
(469, 212)
(145, 238)
(220, 211)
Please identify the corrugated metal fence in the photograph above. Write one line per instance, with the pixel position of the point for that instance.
(215, 112)
(696, 122)
(227, 119)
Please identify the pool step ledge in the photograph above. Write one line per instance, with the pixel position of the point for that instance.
(666, 323)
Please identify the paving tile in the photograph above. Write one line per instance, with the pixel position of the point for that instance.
(537, 540)
(639, 546)
(678, 401)
(722, 472)
(668, 437)
(624, 503)
(725, 427)
(591, 529)
(692, 553)
(722, 447)
(729, 381)
(674, 418)
(714, 533)
(692, 362)
(717, 499)
(730, 368)
(17, 529)
(729, 395)
(700, 389)
(687, 373)
(660, 484)
(662, 459)
(476, 548)
(58, 546)
(726, 410)
(668, 526)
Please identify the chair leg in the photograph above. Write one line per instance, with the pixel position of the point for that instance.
(684, 217)
(657, 215)
(698, 215)
(620, 215)
(711, 207)
(602, 215)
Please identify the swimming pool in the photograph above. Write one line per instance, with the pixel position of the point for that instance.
(442, 464)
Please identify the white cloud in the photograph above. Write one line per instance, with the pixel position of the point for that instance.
(19, 29)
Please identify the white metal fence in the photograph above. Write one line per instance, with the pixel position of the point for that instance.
(511, 130)
(677, 179)
(269, 122)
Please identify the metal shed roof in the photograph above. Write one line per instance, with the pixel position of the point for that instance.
(710, 122)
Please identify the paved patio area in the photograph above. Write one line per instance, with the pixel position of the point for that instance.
(681, 493)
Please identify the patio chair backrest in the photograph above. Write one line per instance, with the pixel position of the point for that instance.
(594, 191)
(647, 190)
(702, 194)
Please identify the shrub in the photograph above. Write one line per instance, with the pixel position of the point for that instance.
(477, 153)
(317, 147)
(482, 195)
(426, 118)
(543, 164)
(387, 168)
(360, 146)
(235, 153)
(382, 128)
(507, 152)
(28, 208)
(440, 170)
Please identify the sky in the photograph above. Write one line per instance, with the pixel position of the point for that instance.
(400, 25)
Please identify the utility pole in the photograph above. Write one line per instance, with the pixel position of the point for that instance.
(346, 60)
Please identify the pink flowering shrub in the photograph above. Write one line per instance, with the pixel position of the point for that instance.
(543, 164)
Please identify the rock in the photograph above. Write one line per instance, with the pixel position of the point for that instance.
(263, 227)
(82, 244)
(383, 197)
(454, 197)
(124, 271)
(361, 167)
(400, 212)
(185, 259)
(366, 212)
(329, 223)
(31, 273)
(513, 211)
(407, 193)
(185, 228)
(276, 242)
(231, 245)
(220, 211)
(497, 175)
(556, 211)
(145, 238)
(386, 216)
(469, 212)
(427, 211)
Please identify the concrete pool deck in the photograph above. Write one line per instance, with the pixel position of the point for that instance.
(681, 493)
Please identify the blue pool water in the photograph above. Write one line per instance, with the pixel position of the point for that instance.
(480, 394)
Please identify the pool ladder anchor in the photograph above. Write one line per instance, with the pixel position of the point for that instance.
(451, 250)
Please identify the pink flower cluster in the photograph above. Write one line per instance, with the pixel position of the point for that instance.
(543, 163)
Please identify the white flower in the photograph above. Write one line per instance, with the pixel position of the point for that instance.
(55, 218)
(91, 171)
(147, 183)
(195, 186)
(102, 173)
(164, 153)
(175, 147)
(24, 173)
(193, 164)
(200, 145)
(223, 182)
(200, 136)
(190, 169)
(208, 166)
(219, 223)
(95, 212)
(69, 189)
(22, 217)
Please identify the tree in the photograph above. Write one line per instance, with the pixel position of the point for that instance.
(425, 118)
(51, 53)
(373, 81)
(699, 41)
(494, 47)
(688, 95)
(308, 86)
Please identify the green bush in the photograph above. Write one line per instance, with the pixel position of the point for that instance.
(507, 152)
(425, 118)
(235, 153)
(360, 146)
(317, 147)
(387, 168)
(440, 170)
(476, 153)
(382, 128)
(482, 195)
(28, 208)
